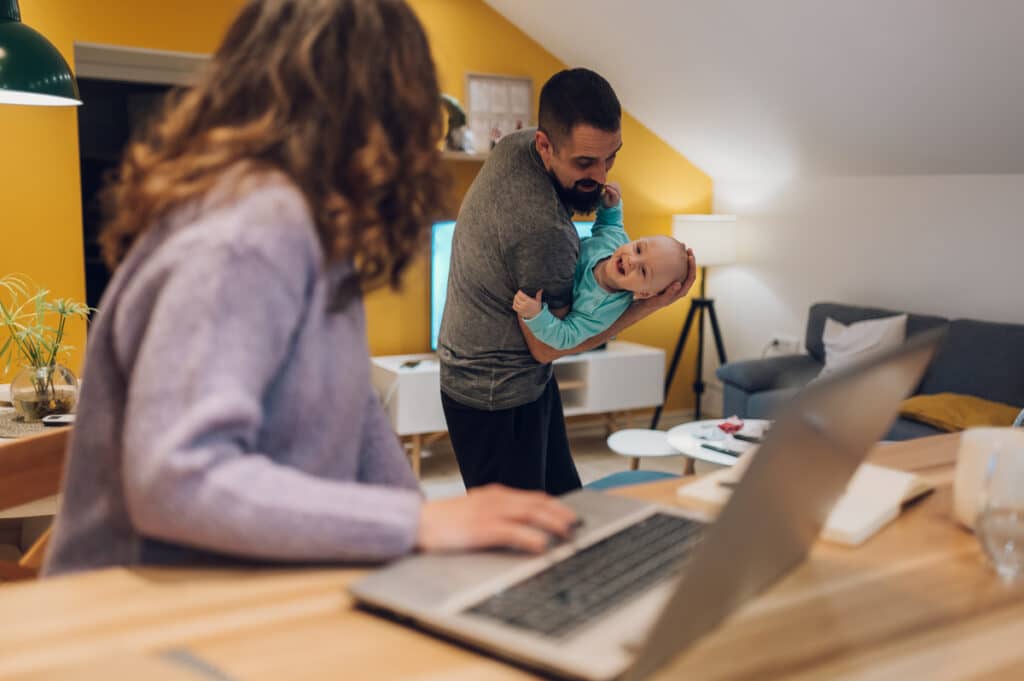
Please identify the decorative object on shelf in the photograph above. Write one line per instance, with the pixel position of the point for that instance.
(35, 340)
(459, 136)
(32, 71)
(497, 106)
(713, 240)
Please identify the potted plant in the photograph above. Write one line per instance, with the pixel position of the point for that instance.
(35, 340)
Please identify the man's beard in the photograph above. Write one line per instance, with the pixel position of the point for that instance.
(578, 200)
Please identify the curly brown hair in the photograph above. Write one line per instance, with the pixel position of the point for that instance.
(341, 96)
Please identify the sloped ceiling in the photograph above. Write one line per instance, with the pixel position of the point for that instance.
(749, 88)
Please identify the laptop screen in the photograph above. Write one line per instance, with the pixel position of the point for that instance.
(780, 505)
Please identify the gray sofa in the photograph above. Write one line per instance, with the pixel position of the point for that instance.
(985, 359)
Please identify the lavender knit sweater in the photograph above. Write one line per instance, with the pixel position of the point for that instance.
(226, 413)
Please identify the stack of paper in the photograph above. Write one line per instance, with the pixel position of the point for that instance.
(873, 498)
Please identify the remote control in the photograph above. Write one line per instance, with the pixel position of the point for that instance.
(58, 420)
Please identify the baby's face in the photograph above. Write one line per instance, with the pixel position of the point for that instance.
(647, 266)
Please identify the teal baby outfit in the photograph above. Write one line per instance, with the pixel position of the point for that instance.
(593, 308)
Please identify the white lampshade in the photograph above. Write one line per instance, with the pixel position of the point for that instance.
(712, 237)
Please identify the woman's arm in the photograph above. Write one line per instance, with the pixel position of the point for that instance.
(220, 326)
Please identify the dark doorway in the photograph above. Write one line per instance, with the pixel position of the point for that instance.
(111, 112)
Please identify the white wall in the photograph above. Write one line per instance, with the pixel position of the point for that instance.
(951, 245)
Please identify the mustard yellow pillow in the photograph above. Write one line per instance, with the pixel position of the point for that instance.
(951, 412)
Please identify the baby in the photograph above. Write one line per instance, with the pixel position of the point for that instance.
(611, 273)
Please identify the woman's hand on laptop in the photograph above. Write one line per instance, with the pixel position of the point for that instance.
(494, 516)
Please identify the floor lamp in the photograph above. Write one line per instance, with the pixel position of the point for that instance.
(713, 240)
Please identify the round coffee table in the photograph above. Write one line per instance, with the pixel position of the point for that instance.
(689, 438)
(637, 442)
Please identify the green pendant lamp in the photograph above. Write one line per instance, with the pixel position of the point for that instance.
(32, 71)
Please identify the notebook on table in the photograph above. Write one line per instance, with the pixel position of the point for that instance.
(873, 498)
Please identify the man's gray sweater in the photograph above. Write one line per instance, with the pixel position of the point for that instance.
(513, 232)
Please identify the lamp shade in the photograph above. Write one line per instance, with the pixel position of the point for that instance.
(32, 71)
(712, 237)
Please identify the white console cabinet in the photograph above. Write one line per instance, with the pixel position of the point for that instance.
(621, 377)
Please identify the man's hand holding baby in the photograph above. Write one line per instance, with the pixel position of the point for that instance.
(674, 292)
(527, 307)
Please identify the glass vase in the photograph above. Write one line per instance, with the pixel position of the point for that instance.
(40, 391)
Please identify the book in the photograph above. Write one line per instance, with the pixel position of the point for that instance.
(873, 498)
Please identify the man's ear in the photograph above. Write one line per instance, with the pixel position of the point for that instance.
(545, 147)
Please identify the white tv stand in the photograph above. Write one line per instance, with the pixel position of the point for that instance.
(621, 377)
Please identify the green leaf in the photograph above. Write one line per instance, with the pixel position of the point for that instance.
(24, 318)
(40, 307)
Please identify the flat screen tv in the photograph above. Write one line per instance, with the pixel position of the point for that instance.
(440, 256)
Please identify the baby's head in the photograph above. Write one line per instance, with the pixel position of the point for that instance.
(648, 266)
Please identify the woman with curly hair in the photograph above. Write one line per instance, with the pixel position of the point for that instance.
(227, 413)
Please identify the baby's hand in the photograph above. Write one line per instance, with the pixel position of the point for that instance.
(527, 307)
(611, 195)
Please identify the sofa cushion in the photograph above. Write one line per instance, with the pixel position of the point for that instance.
(985, 359)
(848, 314)
(951, 412)
(847, 344)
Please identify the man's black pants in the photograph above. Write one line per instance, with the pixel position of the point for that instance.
(524, 447)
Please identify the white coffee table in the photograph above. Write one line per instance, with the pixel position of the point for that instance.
(688, 438)
(638, 442)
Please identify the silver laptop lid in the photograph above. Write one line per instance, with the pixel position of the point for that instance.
(781, 503)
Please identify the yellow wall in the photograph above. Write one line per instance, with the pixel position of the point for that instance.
(40, 192)
(39, 183)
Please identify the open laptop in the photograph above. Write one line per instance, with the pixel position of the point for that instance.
(641, 582)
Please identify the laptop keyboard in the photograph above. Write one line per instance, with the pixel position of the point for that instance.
(572, 592)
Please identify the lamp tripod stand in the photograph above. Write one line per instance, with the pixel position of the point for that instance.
(697, 309)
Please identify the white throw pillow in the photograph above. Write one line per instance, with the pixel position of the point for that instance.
(845, 345)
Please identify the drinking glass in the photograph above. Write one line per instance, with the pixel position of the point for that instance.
(1000, 524)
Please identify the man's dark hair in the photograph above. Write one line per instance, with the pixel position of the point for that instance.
(576, 96)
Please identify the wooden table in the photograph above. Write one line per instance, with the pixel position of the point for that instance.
(917, 601)
(30, 475)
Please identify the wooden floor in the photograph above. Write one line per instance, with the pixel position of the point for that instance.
(440, 473)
